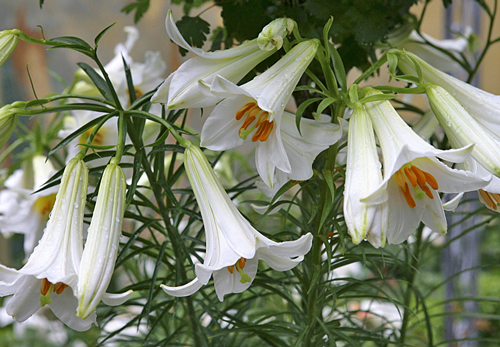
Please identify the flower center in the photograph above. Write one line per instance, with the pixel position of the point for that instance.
(490, 199)
(240, 264)
(255, 119)
(45, 204)
(420, 180)
(47, 288)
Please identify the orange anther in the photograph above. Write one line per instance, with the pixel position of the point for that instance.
(420, 175)
(230, 269)
(241, 112)
(267, 131)
(242, 262)
(408, 197)
(262, 118)
(400, 178)
(488, 199)
(59, 287)
(45, 286)
(411, 176)
(426, 190)
(431, 180)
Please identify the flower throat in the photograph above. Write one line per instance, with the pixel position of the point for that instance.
(419, 180)
(255, 119)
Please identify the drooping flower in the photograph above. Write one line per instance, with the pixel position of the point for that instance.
(99, 256)
(462, 129)
(233, 246)
(182, 88)
(51, 273)
(301, 148)
(413, 175)
(8, 43)
(255, 111)
(484, 107)
(24, 210)
(363, 175)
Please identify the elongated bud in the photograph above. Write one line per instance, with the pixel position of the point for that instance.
(99, 254)
(8, 42)
(8, 122)
(272, 34)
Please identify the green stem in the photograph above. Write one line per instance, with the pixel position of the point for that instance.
(372, 69)
(122, 129)
(411, 281)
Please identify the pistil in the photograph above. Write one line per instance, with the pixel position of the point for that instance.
(47, 288)
(239, 265)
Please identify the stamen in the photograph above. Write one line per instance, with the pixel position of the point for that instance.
(411, 176)
(408, 197)
(230, 269)
(59, 287)
(267, 131)
(259, 132)
(45, 286)
(431, 181)
(488, 199)
(416, 177)
(242, 262)
(241, 112)
(45, 204)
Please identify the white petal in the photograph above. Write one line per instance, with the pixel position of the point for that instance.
(433, 216)
(278, 263)
(25, 301)
(64, 307)
(452, 204)
(115, 299)
(161, 95)
(225, 282)
(185, 290)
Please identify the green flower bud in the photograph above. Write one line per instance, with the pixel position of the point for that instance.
(8, 122)
(272, 34)
(8, 42)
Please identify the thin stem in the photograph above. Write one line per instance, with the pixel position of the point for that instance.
(411, 281)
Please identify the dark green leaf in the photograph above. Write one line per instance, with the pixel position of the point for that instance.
(140, 7)
(99, 82)
(194, 30)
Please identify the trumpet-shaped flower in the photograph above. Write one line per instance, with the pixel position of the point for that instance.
(51, 273)
(23, 209)
(182, 88)
(233, 246)
(99, 255)
(255, 110)
(484, 107)
(363, 175)
(462, 129)
(413, 175)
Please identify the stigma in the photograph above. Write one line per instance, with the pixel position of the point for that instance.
(256, 118)
(421, 181)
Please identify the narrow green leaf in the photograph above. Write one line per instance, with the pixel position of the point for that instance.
(338, 67)
(324, 104)
(101, 34)
(99, 82)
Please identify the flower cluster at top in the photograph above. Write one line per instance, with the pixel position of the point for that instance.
(393, 175)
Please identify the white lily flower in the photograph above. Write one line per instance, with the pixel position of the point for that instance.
(363, 175)
(182, 88)
(257, 107)
(462, 129)
(233, 246)
(52, 268)
(413, 175)
(301, 149)
(101, 248)
(484, 107)
(21, 209)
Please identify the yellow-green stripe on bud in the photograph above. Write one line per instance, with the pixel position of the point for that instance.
(99, 254)
(8, 122)
(8, 42)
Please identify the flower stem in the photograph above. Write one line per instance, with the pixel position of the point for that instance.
(411, 281)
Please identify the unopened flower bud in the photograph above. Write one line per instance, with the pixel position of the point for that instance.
(272, 34)
(8, 42)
